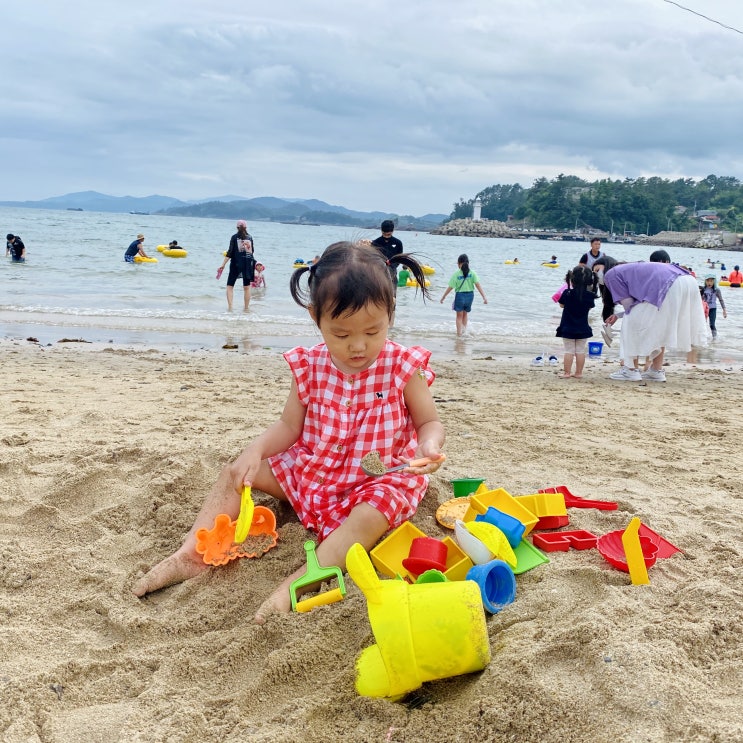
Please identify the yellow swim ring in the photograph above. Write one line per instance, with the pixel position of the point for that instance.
(428, 270)
(511, 263)
(297, 264)
(161, 248)
(551, 265)
(175, 252)
(723, 283)
(142, 259)
(413, 282)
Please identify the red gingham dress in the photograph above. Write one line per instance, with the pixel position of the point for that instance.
(347, 417)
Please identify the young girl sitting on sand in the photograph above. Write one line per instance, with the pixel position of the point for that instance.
(576, 302)
(354, 393)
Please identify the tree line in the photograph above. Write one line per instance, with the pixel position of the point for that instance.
(639, 205)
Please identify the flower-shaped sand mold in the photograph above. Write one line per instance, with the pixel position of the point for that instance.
(612, 550)
(217, 545)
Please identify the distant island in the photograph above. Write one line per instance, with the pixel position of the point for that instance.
(262, 208)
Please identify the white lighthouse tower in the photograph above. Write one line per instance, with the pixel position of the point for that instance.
(477, 210)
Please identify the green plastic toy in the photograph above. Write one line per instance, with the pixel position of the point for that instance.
(316, 574)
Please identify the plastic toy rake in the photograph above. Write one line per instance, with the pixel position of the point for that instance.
(316, 574)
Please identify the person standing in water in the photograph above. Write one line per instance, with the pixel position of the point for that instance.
(136, 247)
(15, 248)
(388, 246)
(463, 282)
(240, 256)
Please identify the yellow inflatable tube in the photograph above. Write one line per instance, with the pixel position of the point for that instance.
(413, 282)
(551, 265)
(161, 248)
(174, 252)
(142, 259)
(428, 270)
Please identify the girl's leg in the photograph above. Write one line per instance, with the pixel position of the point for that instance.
(580, 362)
(460, 323)
(713, 321)
(465, 318)
(364, 525)
(567, 364)
(185, 562)
(230, 290)
(246, 295)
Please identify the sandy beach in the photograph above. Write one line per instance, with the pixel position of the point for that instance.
(106, 453)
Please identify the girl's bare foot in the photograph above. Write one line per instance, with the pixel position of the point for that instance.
(178, 567)
(577, 376)
(279, 602)
(564, 375)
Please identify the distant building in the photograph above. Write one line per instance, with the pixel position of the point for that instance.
(477, 210)
(707, 219)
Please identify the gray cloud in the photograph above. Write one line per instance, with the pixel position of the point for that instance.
(404, 107)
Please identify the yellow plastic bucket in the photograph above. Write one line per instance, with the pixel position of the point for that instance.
(424, 632)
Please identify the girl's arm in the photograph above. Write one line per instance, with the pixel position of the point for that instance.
(482, 293)
(275, 439)
(430, 431)
(722, 303)
(448, 289)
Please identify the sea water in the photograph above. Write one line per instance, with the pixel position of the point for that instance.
(76, 284)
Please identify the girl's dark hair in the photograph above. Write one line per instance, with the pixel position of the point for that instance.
(582, 279)
(464, 263)
(608, 263)
(242, 231)
(348, 277)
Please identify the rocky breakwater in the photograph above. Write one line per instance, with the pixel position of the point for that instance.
(472, 228)
(727, 240)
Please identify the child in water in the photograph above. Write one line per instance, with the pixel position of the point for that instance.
(259, 280)
(576, 302)
(712, 296)
(464, 282)
(354, 393)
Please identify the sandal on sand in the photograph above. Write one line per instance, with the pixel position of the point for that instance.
(537, 361)
(606, 334)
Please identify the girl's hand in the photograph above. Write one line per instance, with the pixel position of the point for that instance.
(611, 319)
(244, 469)
(431, 450)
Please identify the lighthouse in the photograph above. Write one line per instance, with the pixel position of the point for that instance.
(476, 210)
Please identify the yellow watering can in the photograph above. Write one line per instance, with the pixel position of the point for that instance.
(424, 631)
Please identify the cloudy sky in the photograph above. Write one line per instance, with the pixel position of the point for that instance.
(395, 105)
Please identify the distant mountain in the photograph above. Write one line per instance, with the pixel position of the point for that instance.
(300, 211)
(99, 202)
(262, 208)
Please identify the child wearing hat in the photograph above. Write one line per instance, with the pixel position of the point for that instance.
(711, 295)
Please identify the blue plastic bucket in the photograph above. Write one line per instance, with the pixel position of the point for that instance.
(497, 584)
(594, 348)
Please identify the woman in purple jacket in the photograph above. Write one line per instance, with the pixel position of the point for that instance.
(662, 309)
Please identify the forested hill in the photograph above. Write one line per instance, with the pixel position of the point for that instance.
(642, 205)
